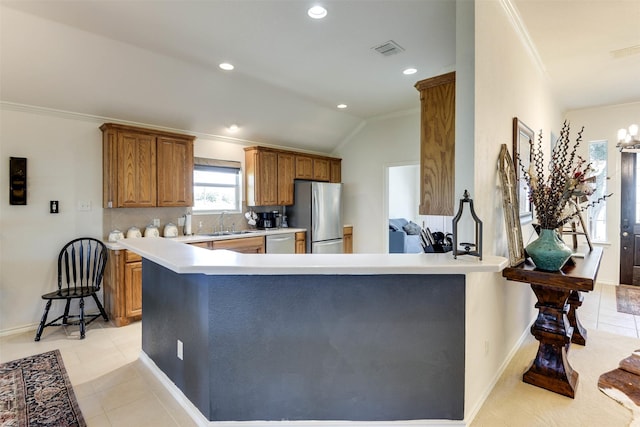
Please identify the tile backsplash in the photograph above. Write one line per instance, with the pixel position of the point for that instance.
(123, 218)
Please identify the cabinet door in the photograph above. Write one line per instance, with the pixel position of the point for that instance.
(335, 173)
(301, 242)
(266, 178)
(437, 145)
(286, 175)
(136, 170)
(347, 239)
(304, 167)
(133, 288)
(247, 245)
(321, 169)
(175, 172)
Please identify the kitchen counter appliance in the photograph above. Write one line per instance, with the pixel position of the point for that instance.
(318, 208)
(266, 220)
(284, 243)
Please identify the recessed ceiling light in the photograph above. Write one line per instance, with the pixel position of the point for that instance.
(317, 12)
(233, 128)
(409, 71)
(341, 106)
(226, 66)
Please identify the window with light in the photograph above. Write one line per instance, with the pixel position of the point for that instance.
(216, 189)
(598, 213)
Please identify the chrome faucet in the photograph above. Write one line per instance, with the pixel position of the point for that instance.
(221, 224)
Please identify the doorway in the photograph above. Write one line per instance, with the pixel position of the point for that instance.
(629, 221)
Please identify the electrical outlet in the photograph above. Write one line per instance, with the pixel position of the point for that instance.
(156, 222)
(84, 205)
(486, 348)
(54, 207)
(181, 221)
(180, 350)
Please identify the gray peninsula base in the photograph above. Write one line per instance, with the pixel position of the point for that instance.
(309, 347)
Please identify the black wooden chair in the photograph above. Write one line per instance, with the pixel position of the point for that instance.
(81, 265)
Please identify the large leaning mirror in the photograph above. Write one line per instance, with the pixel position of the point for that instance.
(510, 207)
(522, 143)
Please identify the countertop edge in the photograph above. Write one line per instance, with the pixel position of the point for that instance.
(187, 259)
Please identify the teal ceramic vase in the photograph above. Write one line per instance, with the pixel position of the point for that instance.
(548, 251)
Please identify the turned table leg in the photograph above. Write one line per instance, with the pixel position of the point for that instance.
(579, 332)
(551, 369)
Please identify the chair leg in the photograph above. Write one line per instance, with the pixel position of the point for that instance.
(43, 321)
(66, 312)
(81, 318)
(101, 308)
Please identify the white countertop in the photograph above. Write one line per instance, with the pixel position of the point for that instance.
(206, 237)
(182, 258)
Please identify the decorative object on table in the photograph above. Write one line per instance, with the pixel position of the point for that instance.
(523, 138)
(468, 248)
(510, 207)
(115, 235)
(252, 217)
(133, 233)
(170, 230)
(36, 391)
(151, 231)
(569, 177)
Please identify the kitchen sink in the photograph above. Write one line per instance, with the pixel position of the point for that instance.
(227, 233)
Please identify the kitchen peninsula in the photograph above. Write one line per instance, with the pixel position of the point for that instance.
(308, 337)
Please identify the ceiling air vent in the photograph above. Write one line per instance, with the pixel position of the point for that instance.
(388, 48)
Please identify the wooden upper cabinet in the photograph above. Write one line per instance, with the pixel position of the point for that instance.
(304, 167)
(335, 170)
(136, 171)
(261, 177)
(321, 170)
(437, 144)
(175, 172)
(286, 175)
(146, 168)
(270, 174)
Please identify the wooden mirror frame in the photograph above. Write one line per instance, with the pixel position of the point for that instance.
(523, 140)
(510, 207)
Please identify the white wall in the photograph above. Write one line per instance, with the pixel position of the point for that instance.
(64, 163)
(507, 84)
(380, 143)
(602, 124)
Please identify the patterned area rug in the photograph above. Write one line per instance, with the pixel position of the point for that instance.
(628, 299)
(36, 391)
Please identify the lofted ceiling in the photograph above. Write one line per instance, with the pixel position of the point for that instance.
(156, 62)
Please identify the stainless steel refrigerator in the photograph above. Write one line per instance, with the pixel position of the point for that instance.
(318, 208)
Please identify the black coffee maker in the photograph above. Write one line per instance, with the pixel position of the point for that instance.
(266, 220)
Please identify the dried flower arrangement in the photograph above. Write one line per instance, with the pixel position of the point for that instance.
(569, 178)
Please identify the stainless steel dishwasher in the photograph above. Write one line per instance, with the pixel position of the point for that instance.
(284, 243)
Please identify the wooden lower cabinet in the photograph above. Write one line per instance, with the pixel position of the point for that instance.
(301, 242)
(246, 245)
(123, 287)
(347, 239)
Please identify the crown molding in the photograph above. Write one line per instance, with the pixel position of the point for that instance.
(521, 30)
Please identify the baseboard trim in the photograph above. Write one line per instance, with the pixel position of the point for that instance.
(19, 330)
(201, 420)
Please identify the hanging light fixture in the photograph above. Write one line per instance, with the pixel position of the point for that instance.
(628, 138)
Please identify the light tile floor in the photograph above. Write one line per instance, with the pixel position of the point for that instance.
(114, 388)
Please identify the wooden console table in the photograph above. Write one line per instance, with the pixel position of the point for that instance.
(557, 324)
